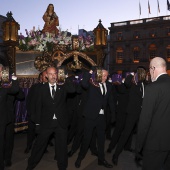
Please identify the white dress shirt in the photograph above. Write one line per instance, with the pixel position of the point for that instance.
(101, 88)
(55, 87)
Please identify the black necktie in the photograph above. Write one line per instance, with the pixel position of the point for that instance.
(53, 91)
(103, 89)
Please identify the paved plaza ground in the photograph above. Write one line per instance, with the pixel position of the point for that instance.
(19, 160)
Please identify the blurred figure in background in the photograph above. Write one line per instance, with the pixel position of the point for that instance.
(9, 133)
(95, 115)
(122, 89)
(4, 92)
(133, 110)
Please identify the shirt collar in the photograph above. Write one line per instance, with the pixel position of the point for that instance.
(159, 76)
(53, 85)
(102, 83)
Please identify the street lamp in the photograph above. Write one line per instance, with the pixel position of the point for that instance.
(10, 30)
(100, 35)
(100, 42)
(10, 39)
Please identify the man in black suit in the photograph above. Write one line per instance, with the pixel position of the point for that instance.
(82, 95)
(122, 102)
(154, 123)
(51, 117)
(133, 110)
(4, 92)
(31, 109)
(99, 95)
(9, 132)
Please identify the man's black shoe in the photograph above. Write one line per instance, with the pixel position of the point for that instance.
(70, 153)
(137, 162)
(78, 163)
(138, 158)
(105, 164)
(115, 160)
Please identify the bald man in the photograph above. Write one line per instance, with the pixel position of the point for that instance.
(94, 111)
(51, 117)
(154, 124)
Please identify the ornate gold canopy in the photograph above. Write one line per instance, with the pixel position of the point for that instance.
(71, 59)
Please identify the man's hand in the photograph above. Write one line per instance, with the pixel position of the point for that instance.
(91, 71)
(14, 78)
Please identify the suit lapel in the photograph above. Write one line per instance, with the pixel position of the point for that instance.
(58, 92)
(99, 90)
(48, 91)
(107, 88)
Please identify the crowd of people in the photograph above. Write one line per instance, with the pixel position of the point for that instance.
(83, 113)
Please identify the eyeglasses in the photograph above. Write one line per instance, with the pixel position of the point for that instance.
(152, 68)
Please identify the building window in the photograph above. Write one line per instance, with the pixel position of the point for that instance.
(152, 54)
(119, 36)
(119, 55)
(152, 51)
(168, 53)
(136, 34)
(153, 33)
(168, 31)
(136, 55)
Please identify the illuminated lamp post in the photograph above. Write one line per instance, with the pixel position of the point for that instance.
(10, 39)
(100, 42)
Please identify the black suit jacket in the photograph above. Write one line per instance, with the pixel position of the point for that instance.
(95, 100)
(31, 101)
(135, 99)
(11, 103)
(4, 92)
(46, 107)
(154, 122)
(122, 98)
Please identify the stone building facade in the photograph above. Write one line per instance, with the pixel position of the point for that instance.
(3, 48)
(135, 42)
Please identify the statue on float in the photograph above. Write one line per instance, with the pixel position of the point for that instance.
(51, 21)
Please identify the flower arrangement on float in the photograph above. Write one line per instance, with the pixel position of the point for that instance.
(36, 40)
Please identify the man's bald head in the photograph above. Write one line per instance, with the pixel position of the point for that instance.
(157, 67)
(51, 75)
(158, 62)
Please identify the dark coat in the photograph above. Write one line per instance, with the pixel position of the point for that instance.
(31, 100)
(154, 122)
(4, 92)
(11, 103)
(95, 100)
(46, 107)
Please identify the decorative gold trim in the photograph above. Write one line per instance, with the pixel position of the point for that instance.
(76, 53)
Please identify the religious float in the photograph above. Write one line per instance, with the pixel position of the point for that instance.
(30, 55)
